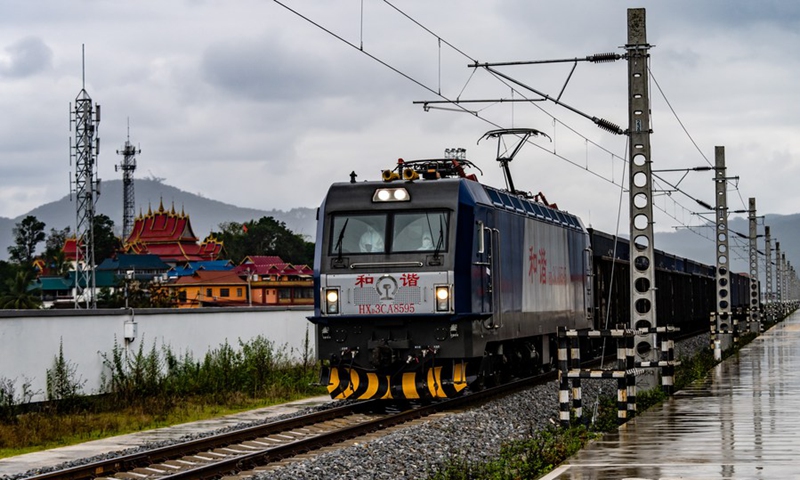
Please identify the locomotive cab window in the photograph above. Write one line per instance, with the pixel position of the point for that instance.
(393, 232)
(419, 231)
(358, 233)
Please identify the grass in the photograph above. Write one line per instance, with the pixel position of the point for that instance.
(35, 431)
(153, 389)
(523, 459)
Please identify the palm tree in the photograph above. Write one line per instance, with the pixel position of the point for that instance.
(18, 296)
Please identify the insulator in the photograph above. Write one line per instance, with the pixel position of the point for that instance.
(609, 126)
(604, 57)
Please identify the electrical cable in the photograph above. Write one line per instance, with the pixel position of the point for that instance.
(521, 94)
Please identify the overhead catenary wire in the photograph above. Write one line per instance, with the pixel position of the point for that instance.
(441, 41)
(686, 131)
(433, 91)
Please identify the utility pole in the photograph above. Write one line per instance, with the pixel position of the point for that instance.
(753, 310)
(642, 266)
(778, 280)
(768, 304)
(725, 324)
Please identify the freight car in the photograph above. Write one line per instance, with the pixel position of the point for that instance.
(429, 283)
(685, 289)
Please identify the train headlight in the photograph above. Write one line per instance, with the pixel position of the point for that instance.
(331, 301)
(442, 298)
(391, 195)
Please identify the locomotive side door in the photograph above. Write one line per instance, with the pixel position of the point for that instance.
(482, 267)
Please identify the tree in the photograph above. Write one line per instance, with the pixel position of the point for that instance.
(266, 236)
(106, 244)
(27, 234)
(54, 255)
(8, 271)
(18, 296)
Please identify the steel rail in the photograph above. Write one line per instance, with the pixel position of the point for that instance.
(143, 459)
(251, 460)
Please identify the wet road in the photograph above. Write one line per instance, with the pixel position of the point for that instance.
(741, 422)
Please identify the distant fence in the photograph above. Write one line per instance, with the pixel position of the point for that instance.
(29, 340)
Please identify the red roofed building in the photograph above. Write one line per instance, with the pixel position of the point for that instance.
(71, 249)
(170, 236)
(275, 282)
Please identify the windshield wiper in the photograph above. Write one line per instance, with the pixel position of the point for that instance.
(338, 246)
(440, 241)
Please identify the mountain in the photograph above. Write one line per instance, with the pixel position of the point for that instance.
(783, 229)
(205, 214)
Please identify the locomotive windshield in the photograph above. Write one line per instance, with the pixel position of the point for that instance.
(390, 232)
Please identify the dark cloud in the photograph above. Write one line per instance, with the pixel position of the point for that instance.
(267, 71)
(728, 14)
(26, 57)
(258, 70)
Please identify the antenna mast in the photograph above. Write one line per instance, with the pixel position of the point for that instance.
(127, 166)
(86, 189)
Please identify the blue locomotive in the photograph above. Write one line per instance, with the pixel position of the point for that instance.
(429, 283)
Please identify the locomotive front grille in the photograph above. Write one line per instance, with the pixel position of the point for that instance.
(408, 295)
(366, 296)
(403, 296)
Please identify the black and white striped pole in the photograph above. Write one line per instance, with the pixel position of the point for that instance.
(563, 378)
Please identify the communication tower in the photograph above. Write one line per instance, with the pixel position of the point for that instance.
(127, 166)
(86, 188)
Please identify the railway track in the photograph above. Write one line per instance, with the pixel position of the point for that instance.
(264, 447)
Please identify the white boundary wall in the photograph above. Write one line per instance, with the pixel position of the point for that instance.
(29, 340)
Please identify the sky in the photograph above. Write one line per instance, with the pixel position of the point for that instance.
(251, 104)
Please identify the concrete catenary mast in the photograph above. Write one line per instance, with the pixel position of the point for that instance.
(725, 322)
(85, 118)
(127, 166)
(754, 309)
(642, 271)
(768, 304)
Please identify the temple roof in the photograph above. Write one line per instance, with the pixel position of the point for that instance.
(161, 226)
(170, 236)
(70, 249)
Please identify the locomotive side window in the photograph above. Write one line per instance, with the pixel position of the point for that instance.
(419, 231)
(358, 234)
